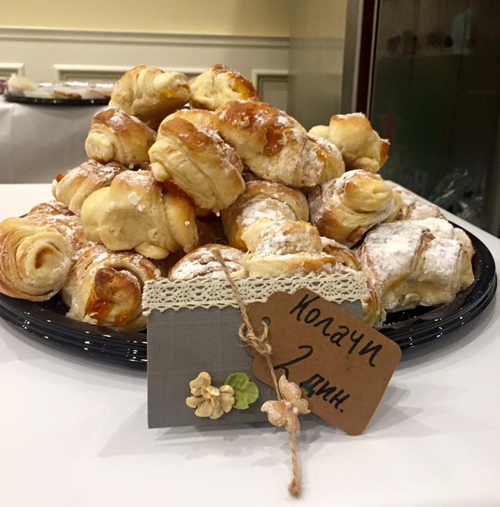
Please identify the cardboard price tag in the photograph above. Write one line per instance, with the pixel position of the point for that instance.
(342, 365)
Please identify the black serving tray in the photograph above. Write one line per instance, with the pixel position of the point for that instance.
(42, 101)
(47, 322)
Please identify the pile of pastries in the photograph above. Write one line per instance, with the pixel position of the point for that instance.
(177, 169)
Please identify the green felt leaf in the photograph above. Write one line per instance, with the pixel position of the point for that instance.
(245, 391)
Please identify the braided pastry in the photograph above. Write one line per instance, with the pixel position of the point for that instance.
(262, 199)
(105, 288)
(77, 184)
(150, 94)
(201, 262)
(275, 146)
(345, 208)
(360, 145)
(133, 213)
(218, 85)
(34, 260)
(116, 136)
(198, 161)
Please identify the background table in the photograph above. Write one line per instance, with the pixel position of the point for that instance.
(38, 142)
(74, 433)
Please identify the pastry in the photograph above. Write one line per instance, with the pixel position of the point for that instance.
(58, 216)
(34, 260)
(409, 266)
(201, 262)
(134, 214)
(116, 136)
(73, 187)
(150, 94)
(285, 247)
(412, 206)
(275, 146)
(374, 313)
(360, 145)
(218, 85)
(344, 255)
(441, 228)
(262, 199)
(105, 288)
(199, 162)
(345, 208)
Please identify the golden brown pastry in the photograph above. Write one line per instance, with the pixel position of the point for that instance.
(34, 260)
(134, 214)
(276, 147)
(412, 206)
(285, 248)
(344, 255)
(105, 288)
(150, 94)
(262, 199)
(345, 208)
(199, 162)
(77, 184)
(373, 310)
(58, 215)
(409, 266)
(360, 145)
(115, 136)
(218, 85)
(201, 262)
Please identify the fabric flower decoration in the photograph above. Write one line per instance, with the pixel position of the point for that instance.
(209, 401)
(286, 412)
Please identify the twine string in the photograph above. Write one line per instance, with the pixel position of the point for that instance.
(261, 345)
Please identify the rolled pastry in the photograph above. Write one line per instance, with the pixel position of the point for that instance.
(262, 199)
(201, 262)
(345, 208)
(412, 206)
(276, 147)
(58, 215)
(77, 184)
(373, 311)
(285, 248)
(115, 136)
(344, 255)
(360, 145)
(105, 288)
(198, 161)
(409, 266)
(150, 94)
(34, 260)
(134, 214)
(218, 85)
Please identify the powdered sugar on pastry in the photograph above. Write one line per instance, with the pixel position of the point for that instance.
(201, 262)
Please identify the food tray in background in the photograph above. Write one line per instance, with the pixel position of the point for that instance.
(47, 323)
(21, 99)
(68, 93)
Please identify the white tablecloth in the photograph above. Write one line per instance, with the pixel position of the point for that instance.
(74, 433)
(38, 142)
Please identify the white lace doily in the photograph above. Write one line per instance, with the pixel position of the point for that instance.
(164, 294)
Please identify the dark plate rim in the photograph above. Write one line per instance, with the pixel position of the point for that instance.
(129, 349)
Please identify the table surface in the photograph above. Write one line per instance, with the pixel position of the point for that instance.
(73, 432)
